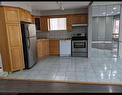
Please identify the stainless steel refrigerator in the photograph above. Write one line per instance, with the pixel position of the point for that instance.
(29, 44)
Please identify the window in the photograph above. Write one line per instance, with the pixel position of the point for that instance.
(57, 24)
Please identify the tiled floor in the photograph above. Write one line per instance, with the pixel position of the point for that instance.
(103, 53)
(3, 74)
(74, 69)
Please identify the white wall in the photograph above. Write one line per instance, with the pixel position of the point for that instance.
(102, 28)
(36, 12)
(89, 30)
(60, 12)
(18, 4)
(120, 34)
(26, 6)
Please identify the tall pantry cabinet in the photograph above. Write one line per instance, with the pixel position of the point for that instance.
(10, 39)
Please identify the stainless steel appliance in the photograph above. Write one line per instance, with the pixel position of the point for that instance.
(29, 44)
(79, 45)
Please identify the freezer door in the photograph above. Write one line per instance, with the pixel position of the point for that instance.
(25, 30)
(32, 30)
(31, 51)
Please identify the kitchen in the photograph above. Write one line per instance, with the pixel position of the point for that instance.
(61, 47)
(61, 41)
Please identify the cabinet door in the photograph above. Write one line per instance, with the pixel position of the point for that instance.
(33, 19)
(11, 15)
(22, 15)
(14, 34)
(39, 49)
(17, 60)
(76, 19)
(84, 19)
(46, 48)
(69, 23)
(44, 24)
(54, 47)
(25, 16)
(42, 48)
(79, 19)
(28, 17)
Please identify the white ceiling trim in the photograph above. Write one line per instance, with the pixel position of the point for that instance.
(105, 3)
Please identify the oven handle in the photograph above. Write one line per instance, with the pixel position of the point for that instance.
(82, 46)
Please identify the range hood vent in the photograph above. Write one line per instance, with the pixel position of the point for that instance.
(79, 24)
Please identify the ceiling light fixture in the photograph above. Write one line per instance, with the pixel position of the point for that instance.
(60, 5)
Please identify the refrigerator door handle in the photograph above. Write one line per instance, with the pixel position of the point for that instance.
(28, 41)
(28, 38)
(28, 32)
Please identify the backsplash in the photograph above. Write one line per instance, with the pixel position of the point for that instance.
(54, 34)
(61, 34)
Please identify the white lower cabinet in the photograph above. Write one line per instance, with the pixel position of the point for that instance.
(65, 47)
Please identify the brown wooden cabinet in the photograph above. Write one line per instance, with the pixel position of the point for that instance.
(47, 48)
(14, 34)
(42, 48)
(25, 15)
(16, 58)
(44, 24)
(28, 16)
(22, 15)
(54, 47)
(11, 39)
(69, 23)
(33, 19)
(79, 19)
(11, 15)
(39, 49)
(15, 46)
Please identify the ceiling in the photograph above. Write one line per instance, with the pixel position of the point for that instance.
(42, 6)
(54, 6)
(106, 3)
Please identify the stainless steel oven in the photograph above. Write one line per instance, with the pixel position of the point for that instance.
(79, 44)
(79, 48)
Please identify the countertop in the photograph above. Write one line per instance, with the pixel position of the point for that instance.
(53, 39)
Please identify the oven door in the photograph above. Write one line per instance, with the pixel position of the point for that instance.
(79, 46)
